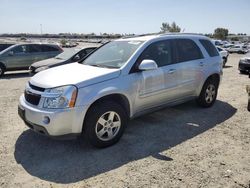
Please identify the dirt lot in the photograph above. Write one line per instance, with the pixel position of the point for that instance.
(182, 146)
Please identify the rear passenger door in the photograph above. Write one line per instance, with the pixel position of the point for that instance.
(48, 51)
(188, 66)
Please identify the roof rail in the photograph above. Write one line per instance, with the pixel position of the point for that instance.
(175, 33)
(142, 35)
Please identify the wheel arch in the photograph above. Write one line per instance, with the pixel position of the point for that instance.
(116, 97)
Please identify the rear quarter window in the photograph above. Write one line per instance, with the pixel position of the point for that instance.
(210, 48)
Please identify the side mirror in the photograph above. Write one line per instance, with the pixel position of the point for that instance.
(148, 64)
(76, 58)
(10, 53)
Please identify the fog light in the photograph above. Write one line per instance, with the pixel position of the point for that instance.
(46, 120)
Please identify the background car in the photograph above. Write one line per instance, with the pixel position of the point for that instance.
(240, 49)
(4, 46)
(224, 54)
(21, 56)
(68, 56)
(244, 65)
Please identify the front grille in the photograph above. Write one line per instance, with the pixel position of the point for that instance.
(32, 98)
(36, 88)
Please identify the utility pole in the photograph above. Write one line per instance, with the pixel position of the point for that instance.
(41, 28)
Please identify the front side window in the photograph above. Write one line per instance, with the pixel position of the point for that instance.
(187, 50)
(210, 48)
(160, 52)
(112, 55)
(22, 49)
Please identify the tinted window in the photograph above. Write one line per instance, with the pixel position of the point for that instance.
(48, 48)
(89, 50)
(34, 48)
(160, 52)
(210, 48)
(187, 50)
(22, 49)
(219, 49)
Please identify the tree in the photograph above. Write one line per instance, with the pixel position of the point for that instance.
(166, 27)
(221, 33)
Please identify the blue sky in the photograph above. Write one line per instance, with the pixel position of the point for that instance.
(122, 16)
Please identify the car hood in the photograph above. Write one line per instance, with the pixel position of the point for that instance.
(73, 74)
(47, 62)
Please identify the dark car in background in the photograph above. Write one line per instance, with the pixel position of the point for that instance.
(3, 46)
(68, 56)
(244, 65)
(21, 56)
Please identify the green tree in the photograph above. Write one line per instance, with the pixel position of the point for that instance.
(221, 33)
(166, 27)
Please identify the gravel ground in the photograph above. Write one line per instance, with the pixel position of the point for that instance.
(182, 146)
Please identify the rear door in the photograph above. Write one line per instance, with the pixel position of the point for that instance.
(189, 62)
(48, 51)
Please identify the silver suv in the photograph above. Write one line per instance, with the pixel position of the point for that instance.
(123, 79)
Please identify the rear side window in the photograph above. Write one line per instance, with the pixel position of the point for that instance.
(34, 48)
(48, 48)
(210, 48)
(187, 50)
(160, 52)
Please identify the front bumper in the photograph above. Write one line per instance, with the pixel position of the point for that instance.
(64, 123)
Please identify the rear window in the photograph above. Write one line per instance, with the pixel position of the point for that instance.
(48, 48)
(187, 50)
(210, 48)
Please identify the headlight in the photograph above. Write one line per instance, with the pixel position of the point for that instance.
(60, 97)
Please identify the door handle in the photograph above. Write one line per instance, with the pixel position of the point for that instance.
(171, 71)
(201, 64)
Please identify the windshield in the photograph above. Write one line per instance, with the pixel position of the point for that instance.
(113, 55)
(68, 53)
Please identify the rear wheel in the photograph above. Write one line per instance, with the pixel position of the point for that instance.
(208, 93)
(2, 70)
(104, 124)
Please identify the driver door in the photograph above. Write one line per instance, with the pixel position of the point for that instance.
(159, 86)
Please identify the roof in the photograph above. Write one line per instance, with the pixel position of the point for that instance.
(154, 36)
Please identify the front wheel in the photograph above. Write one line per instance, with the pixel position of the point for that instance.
(104, 124)
(208, 93)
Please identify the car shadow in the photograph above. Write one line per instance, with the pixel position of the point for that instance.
(15, 75)
(227, 66)
(68, 161)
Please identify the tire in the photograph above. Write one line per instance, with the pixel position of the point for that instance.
(104, 124)
(242, 72)
(2, 70)
(224, 62)
(208, 93)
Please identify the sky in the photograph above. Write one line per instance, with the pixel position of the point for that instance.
(122, 16)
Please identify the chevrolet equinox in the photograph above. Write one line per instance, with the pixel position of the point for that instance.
(121, 80)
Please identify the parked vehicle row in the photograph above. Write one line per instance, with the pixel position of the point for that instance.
(121, 80)
(224, 54)
(21, 56)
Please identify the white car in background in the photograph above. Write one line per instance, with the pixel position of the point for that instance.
(240, 49)
(224, 54)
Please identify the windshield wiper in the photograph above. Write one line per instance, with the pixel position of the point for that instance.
(104, 66)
